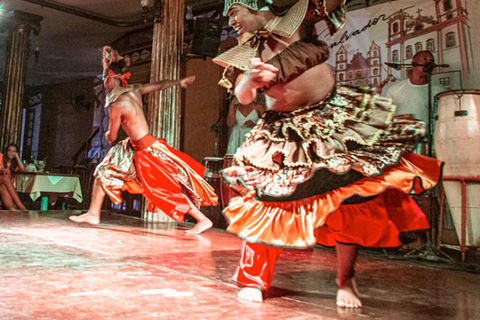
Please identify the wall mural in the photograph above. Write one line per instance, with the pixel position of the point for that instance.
(393, 33)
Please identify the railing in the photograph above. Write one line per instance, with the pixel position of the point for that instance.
(84, 146)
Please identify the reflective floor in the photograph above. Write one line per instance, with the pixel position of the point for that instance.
(125, 268)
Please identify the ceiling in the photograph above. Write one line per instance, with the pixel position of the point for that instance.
(70, 45)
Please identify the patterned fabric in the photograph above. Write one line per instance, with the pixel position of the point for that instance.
(350, 129)
(118, 168)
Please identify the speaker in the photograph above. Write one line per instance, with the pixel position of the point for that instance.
(206, 37)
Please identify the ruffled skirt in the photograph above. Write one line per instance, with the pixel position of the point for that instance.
(322, 174)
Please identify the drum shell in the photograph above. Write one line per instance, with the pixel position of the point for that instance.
(226, 193)
(457, 142)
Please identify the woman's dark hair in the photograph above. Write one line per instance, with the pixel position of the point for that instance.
(14, 163)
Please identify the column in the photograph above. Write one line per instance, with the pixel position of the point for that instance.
(15, 74)
(164, 107)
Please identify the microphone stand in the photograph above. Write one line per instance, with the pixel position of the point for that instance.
(430, 250)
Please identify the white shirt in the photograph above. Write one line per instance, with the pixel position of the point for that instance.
(412, 99)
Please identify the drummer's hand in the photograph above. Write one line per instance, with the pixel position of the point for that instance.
(260, 74)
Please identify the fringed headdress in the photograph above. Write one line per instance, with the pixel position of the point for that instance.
(114, 65)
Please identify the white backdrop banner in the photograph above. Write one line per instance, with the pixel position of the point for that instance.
(392, 33)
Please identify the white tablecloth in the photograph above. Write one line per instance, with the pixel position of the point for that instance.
(54, 185)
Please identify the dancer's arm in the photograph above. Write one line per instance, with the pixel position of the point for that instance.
(113, 124)
(165, 84)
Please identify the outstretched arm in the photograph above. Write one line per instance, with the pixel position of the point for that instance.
(162, 85)
(113, 125)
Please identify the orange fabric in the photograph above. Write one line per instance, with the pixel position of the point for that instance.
(123, 77)
(133, 187)
(256, 266)
(374, 223)
(143, 143)
(293, 224)
(1, 160)
(159, 179)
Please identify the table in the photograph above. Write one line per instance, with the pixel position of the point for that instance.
(52, 185)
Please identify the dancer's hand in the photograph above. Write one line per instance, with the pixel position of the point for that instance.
(186, 81)
(260, 74)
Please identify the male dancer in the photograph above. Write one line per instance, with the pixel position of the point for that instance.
(168, 178)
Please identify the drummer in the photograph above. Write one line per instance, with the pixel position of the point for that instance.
(411, 95)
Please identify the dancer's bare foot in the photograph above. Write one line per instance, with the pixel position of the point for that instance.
(88, 217)
(347, 296)
(250, 294)
(200, 227)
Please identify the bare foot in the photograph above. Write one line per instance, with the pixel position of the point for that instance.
(347, 296)
(250, 294)
(88, 217)
(201, 226)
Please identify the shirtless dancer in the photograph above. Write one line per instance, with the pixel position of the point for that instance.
(174, 181)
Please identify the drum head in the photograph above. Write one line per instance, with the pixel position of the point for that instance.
(458, 93)
(212, 159)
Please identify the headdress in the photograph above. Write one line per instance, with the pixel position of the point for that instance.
(115, 68)
(289, 15)
(257, 5)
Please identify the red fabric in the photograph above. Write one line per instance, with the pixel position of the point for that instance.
(123, 77)
(256, 266)
(374, 223)
(143, 143)
(159, 179)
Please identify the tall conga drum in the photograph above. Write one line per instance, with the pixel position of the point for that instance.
(457, 143)
(213, 166)
(226, 193)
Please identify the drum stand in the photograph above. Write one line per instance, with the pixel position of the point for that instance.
(430, 250)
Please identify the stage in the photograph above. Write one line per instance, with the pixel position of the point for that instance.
(126, 268)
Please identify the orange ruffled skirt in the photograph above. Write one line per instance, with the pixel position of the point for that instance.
(336, 171)
(325, 219)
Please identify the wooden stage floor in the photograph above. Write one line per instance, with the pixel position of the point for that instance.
(125, 268)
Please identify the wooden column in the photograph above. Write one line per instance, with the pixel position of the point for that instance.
(15, 75)
(164, 107)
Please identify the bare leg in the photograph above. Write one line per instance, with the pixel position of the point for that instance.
(6, 180)
(93, 214)
(6, 198)
(203, 223)
(347, 294)
(250, 294)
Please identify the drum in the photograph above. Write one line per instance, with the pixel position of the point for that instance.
(226, 193)
(213, 165)
(457, 143)
(212, 176)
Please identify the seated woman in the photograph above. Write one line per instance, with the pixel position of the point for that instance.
(8, 192)
(12, 160)
(241, 119)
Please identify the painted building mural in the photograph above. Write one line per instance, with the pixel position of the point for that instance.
(393, 33)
